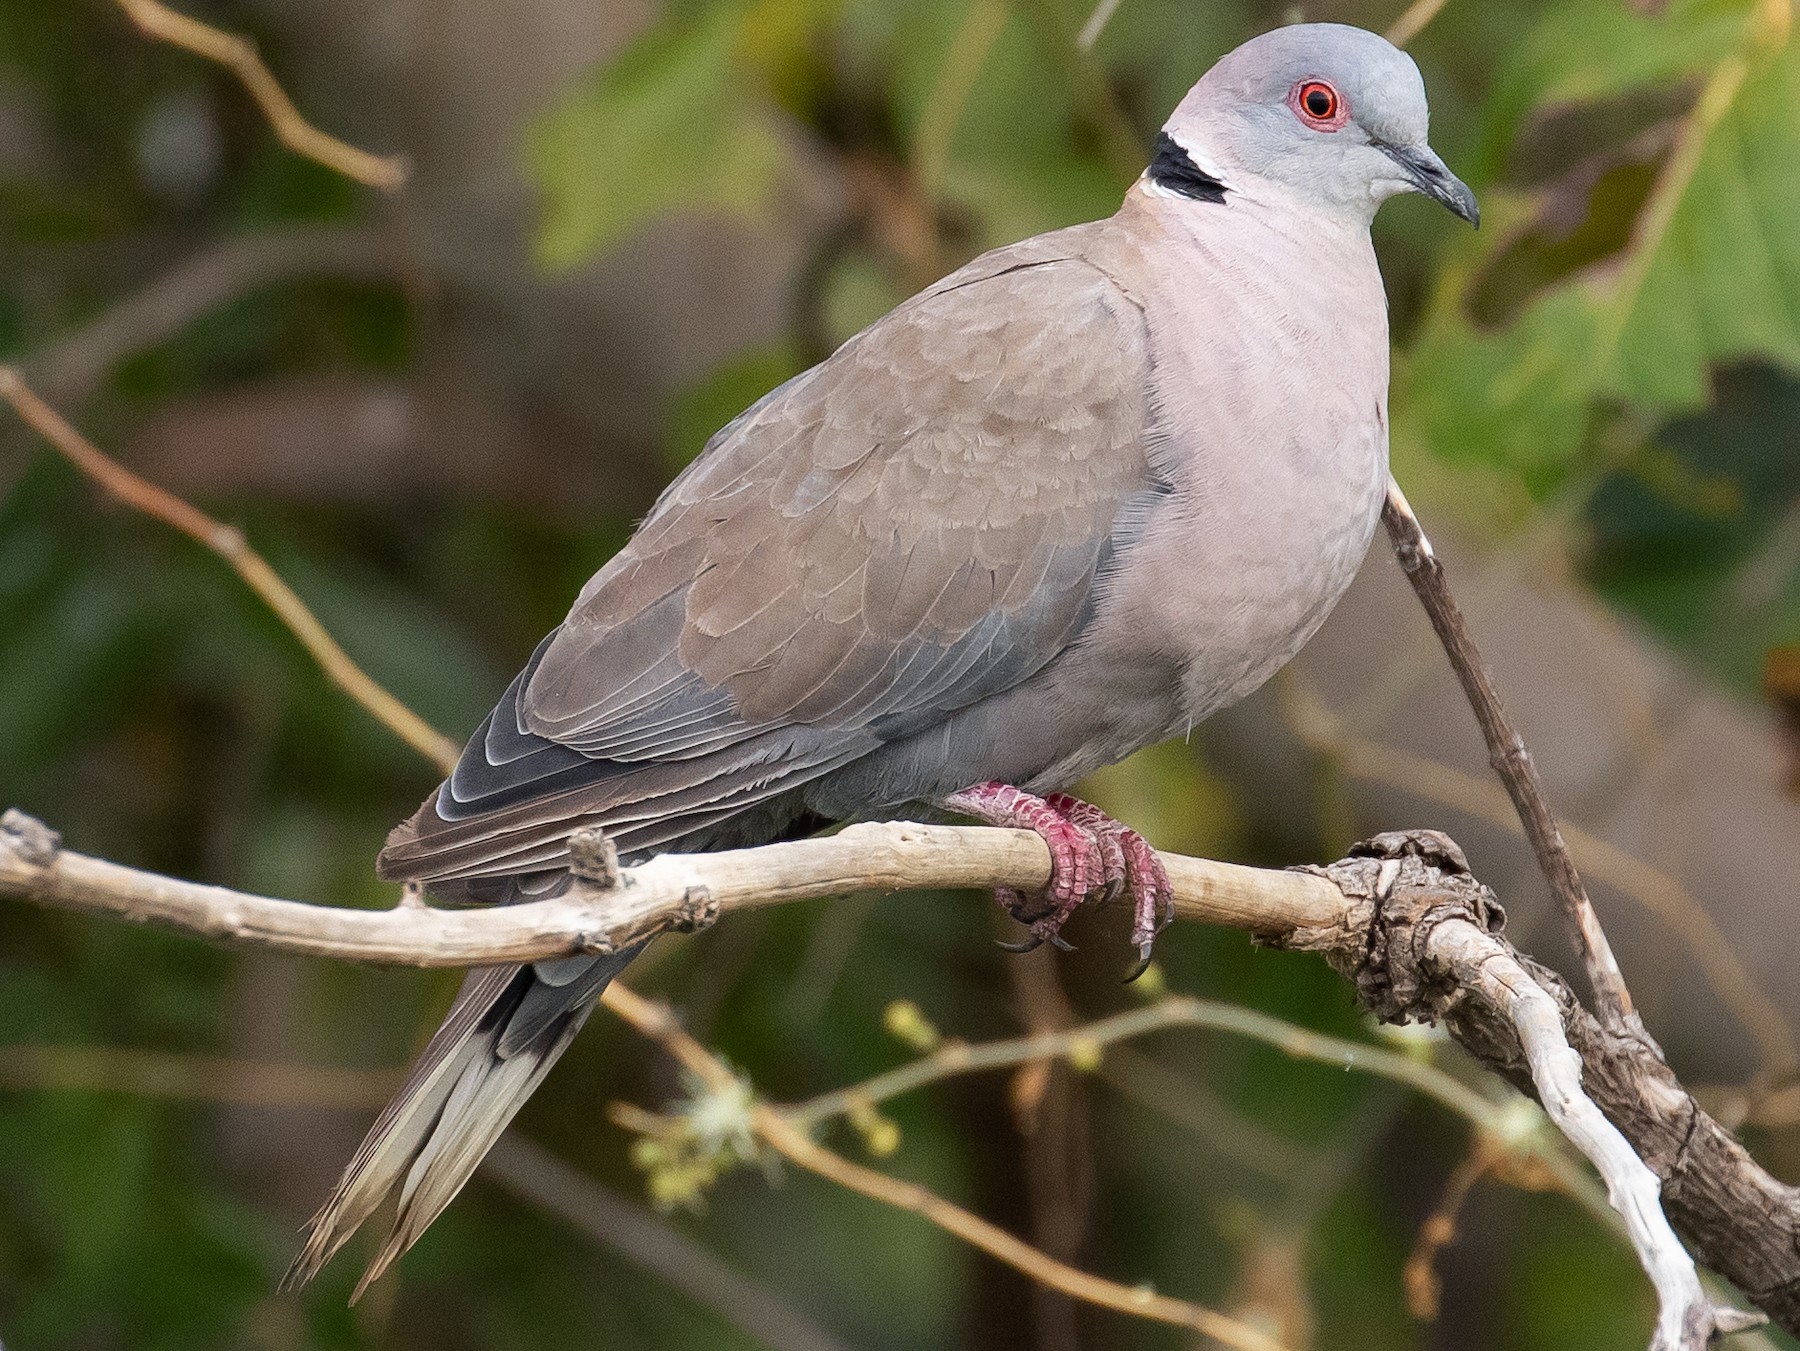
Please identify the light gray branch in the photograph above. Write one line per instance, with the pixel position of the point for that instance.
(1477, 961)
(671, 891)
(1401, 918)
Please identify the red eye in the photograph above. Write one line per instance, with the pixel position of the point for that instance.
(1318, 105)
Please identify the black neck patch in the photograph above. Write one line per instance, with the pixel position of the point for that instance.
(1175, 170)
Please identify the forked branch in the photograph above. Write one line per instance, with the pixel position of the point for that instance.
(1401, 918)
(1511, 760)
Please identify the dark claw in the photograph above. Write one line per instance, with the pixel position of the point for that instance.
(1142, 965)
(1062, 943)
(1030, 944)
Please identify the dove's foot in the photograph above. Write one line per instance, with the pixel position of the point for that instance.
(1090, 854)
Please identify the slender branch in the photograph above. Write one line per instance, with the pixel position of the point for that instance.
(1498, 1122)
(958, 1058)
(670, 891)
(229, 544)
(69, 368)
(1483, 965)
(1763, 1021)
(1121, 145)
(1419, 1276)
(1510, 758)
(1096, 24)
(1412, 22)
(792, 1143)
(943, 109)
(238, 54)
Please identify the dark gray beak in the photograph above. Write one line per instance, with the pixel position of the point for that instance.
(1431, 176)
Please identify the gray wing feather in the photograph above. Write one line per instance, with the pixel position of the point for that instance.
(905, 530)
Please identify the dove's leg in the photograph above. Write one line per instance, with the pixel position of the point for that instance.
(1089, 852)
(1132, 865)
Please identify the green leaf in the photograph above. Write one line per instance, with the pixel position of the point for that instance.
(1708, 273)
(672, 123)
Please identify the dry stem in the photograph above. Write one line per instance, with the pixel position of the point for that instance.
(229, 544)
(670, 891)
(789, 1140)
(1333, 912)
(238, 54)
(1510, 758)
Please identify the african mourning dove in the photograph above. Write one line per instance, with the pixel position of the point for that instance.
(1060, 506)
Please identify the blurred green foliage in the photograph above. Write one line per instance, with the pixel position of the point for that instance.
(1615, 349)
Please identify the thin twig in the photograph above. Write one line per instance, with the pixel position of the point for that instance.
(959, 1058)
(1510, 759)
(1480, 963)
(229, 543)
(1419, 1276)
(1498, 1121)
(1096, 24)
(1121, 145)
(969, 48)
(239, 55)
(1412, 22)
(1326, 734)
(67, 370)
(792, 1143)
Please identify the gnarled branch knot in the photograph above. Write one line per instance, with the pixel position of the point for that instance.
(1406, 883)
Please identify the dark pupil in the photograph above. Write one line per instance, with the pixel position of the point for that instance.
(1318, 102)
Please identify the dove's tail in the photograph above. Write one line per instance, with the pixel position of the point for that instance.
(504, 1032)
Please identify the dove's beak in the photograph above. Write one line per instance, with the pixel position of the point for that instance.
(1430, 175)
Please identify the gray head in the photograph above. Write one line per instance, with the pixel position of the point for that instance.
(1332, 113)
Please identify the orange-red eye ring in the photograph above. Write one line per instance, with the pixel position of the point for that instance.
(1318, 104)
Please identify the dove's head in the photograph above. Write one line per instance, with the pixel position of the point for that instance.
(1331, 113)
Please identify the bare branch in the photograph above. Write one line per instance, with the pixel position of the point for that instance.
(1510, 758)
(69, 368)
(1324, 733)
(1407, 926)
(229, 543)
(1412, 22)
(238, 54)
(1480, 963)
(670, 891)
(792, 1143)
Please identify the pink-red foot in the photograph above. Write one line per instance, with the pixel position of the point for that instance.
(1090, 853)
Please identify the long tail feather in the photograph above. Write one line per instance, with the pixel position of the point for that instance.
(470, 1081)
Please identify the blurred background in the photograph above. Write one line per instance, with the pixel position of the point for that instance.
(438, 410)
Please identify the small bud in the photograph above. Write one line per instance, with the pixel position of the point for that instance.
(882, 1137)
(880, 1134)
(905, 1022)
